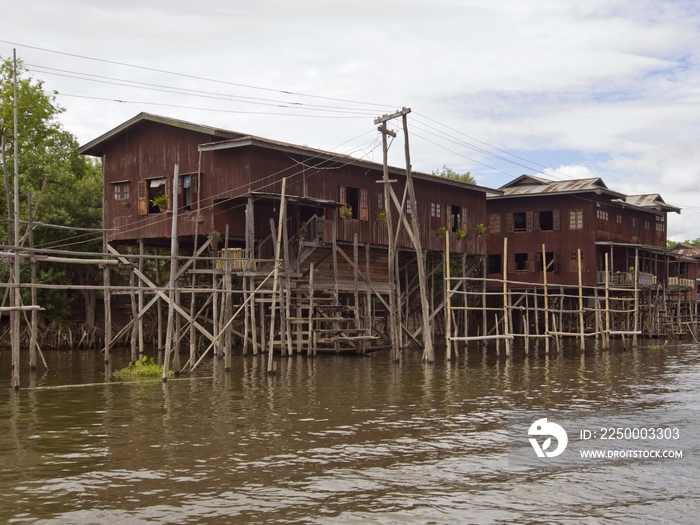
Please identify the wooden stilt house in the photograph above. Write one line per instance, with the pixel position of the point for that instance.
(335, 227)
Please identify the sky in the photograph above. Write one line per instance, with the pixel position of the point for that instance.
(554, 88)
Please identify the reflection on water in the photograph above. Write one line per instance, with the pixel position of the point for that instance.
(334, 440)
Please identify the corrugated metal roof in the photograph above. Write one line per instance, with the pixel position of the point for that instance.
(567, 186)
(651, 200)
(250, 140)
(94, 147)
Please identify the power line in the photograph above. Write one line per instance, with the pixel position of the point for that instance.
(185, 75)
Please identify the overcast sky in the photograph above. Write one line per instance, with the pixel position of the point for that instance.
(499, 88)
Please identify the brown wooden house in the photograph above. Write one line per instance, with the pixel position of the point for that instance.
(221, 173)
(566, 216)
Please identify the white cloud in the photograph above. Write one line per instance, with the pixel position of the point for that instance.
(609, 88)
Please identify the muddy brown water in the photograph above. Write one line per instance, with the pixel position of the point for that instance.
(337, 439)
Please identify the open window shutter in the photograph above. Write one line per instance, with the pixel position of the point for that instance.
(556, 219)
(528, 221)
(537, 221)
(193, 191)
(169, 193)
(364, 210)
(555, 263)
(530, 262)
(343, 198)
(509, 222)
(511, 263)
(464, 218)
(142, 190)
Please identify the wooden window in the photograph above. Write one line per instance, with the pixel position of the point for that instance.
(143, 197)
(646, 225)
(634, 227)
(573, 264)
(511, 263)
(659, 226)
(408, 207)
(495, 263)
(495, 223)
(618, 219)
(343, 198)
(519, 221)
(530, 262)
(556, 220)
(576, 220)
(121, 191)
(549, 262)
(464, 219)
(528, 221)
(435, 209)
(380, 201)
(602, 214)
(509, 222)
(521, 262)
(544, 220)
(364, 210)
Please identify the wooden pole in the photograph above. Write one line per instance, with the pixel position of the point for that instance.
(484, 318)
(16, 295)
(394, 333)
(368, 292)
(275, 284)
(32, 258)
(506, 328)
(606, 339)
(428, 350)
(173, 272)
(142, 251)
(580, 300)
(312, 340)
(636, 297)
(134, 315)
(448, 301)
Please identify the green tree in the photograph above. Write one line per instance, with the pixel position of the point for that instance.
(66, 188)
(449, 173)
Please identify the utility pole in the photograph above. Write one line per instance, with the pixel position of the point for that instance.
(428, 349)
(394, 330)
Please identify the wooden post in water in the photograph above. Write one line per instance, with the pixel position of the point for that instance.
(636, 297)
(606, 338)
(142, 253)
(448, 301)
(32, 258)
(484, 318)
(173, 272)
(368, 295)
(394, 329)
(275, 284)
(506, 329)
(134, 312)
(16, 297)
(580, 300)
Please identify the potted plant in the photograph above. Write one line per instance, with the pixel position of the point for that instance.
(480, 229)
(381, 216)
(347, 212)
(460, 234)
(214, 239)
(442, 230)
(126, 205)
(302, 231)
(161, 202)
